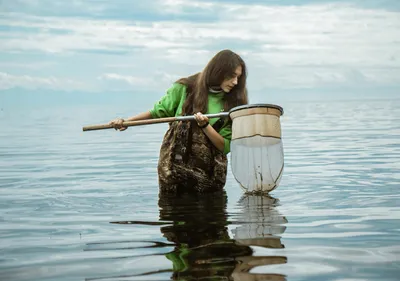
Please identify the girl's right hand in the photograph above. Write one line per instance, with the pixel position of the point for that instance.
(117, 124)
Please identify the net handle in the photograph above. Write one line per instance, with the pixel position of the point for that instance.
(153, 121)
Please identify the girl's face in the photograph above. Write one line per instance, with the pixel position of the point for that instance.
(231, 81)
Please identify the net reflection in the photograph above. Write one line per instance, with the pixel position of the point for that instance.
(203, 247)
(260, 224)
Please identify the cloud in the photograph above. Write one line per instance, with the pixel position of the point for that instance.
(284, 46)
(131, 80)
(53, 7)
(20, 65)
(8, 81)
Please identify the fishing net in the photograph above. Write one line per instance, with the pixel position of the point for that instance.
(256, 148)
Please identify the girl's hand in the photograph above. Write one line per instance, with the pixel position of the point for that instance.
(202, 121)
(117, 124)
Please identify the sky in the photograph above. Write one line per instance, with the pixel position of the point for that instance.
(293, 49)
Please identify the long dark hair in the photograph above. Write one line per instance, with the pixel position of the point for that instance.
(222, 66)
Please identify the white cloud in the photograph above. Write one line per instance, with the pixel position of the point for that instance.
(284, 46)
(180, 6)
(8, 81)
(131, 80)
(30, 66)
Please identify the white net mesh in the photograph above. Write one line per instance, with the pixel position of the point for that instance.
(257, 163)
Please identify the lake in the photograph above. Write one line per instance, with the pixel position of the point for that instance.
(85, 206)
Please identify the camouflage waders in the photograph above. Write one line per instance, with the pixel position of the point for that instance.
(189, 162)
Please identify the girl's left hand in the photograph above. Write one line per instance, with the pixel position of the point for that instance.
(201, 119)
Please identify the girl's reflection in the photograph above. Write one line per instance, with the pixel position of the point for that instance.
(203, 247)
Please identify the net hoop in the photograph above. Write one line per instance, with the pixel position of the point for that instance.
(257, 106)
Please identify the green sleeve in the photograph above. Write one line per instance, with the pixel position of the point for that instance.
(168, 104)
(226, 133)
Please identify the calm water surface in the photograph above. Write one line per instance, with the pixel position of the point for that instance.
(84, 205)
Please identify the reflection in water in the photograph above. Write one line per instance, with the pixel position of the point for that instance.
(262, 222)
(260, 225)
(204, 249)
(196, 226)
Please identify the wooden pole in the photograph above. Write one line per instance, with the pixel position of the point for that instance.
(152, 121)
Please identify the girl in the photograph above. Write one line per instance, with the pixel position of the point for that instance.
(193, 154)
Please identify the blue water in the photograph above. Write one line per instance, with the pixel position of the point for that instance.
(84, 205)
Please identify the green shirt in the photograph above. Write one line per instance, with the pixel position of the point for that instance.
(170, 105)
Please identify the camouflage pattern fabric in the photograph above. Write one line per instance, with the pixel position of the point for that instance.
(189, 162)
